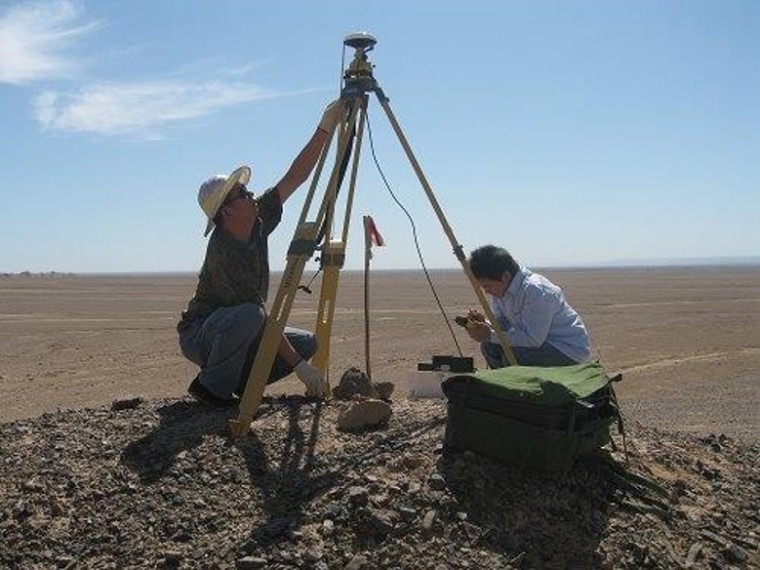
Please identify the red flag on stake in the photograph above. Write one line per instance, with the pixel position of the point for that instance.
(371, 237)
(374, 235)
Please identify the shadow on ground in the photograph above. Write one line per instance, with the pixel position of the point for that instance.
(531, 520)
(541, 520)
(286, 472)
(181, 427)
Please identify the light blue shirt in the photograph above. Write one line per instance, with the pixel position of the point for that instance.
(533, 310)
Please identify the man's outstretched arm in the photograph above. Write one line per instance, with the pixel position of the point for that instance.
(304, 163)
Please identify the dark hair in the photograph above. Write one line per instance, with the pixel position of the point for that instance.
(490, 262)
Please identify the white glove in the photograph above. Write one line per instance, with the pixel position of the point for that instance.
(312, 378)
(331, 116)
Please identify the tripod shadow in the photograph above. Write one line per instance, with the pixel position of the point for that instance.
(284, 472)
(181, 427)
(289, 477)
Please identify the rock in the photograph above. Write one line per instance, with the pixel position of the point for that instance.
(313, 555)
(354, 382)
(384, 390)
(333, 511)
(436, 482)
(379, 522)
(251, 563)
(358, 562)
(298, 492)
(364, 415)
(65, 562)
(172, 558)
(328, 527)
(691, 557)
(358, 496)
(126, 404)
(735, 554)
(407, 513)
(429, 519)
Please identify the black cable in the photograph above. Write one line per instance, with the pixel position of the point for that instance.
(307, 287)
(414, 234)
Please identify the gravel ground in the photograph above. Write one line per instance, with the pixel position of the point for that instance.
(159, 483)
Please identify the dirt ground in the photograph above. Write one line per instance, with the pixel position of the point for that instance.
(687, 340)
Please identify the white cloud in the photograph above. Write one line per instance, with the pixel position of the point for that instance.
(140, 109)
(36, 42)
(34, 38)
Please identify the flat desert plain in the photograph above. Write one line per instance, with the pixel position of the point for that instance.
(686, 339)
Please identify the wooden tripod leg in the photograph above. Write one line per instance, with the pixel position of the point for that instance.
(332, 258)
(334, 254)
(273, 331)
(301, 249)
(446, 227)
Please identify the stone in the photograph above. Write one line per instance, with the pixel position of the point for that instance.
(691, 557)
(306, 495)
(429, 519)
(358, 562)
(328, 527)
(379, 522)
(251, 563)
(735, 554)
(437, 482)
(384, 390)
(354, 382)
(364, 415)
(126, 404)
(358, 496)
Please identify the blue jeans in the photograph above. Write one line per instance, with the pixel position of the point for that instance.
(544, 355)
(224, 345)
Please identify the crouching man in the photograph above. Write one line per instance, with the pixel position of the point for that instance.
(541, 327)
(221, 328)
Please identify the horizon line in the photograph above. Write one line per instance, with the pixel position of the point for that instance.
(739, 261)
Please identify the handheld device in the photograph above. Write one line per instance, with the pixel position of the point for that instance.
(461, 321)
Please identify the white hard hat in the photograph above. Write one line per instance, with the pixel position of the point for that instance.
(213, 191)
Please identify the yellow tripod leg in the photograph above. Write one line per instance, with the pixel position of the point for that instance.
(273, 331)
(333, 257)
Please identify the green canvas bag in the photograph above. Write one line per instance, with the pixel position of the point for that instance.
(540, 418)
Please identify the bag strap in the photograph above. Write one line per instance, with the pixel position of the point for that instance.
(614, 403)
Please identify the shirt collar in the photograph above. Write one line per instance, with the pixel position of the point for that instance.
(516, 282)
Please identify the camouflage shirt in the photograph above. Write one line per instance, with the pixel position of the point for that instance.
(233, 272)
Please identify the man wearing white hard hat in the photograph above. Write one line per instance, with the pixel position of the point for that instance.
(222, 325)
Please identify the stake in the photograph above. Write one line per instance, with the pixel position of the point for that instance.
(367, 257)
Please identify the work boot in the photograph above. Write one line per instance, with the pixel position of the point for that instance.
(204, 395)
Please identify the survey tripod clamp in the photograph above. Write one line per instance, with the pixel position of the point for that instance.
(317, 234)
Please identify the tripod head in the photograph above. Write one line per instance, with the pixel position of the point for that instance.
(357, 77)
(360, 40)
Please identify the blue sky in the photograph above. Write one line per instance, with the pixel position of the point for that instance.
(572, 133)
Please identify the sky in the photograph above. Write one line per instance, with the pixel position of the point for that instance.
(571, 133)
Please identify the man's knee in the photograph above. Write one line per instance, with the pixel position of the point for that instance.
(493, 353)
(307, 346)
(252, 317)
(252, 312)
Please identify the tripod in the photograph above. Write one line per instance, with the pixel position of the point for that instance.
(359, 82)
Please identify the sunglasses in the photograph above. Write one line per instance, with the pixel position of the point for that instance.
(241, 194)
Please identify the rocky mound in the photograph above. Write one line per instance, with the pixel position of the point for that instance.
(160, 484)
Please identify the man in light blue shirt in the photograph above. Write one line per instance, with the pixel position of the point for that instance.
(541, 327)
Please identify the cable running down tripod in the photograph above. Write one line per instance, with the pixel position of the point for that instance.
(358, 83)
